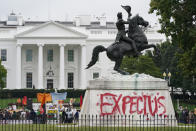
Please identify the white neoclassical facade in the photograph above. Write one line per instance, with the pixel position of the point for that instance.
(49, 54)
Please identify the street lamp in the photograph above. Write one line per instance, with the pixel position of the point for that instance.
(167, 76)
(164, 75)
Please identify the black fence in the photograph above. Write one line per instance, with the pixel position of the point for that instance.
(98, 123)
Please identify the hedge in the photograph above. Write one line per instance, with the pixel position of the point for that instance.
(32, 93)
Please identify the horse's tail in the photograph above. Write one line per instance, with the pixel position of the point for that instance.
(95, 55)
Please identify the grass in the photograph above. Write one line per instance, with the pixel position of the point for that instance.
(54, 127)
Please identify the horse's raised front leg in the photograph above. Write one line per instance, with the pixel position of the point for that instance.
(117, 67)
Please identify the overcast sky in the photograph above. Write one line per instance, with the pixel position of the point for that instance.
(67, 9)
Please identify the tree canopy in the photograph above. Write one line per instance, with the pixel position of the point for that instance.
(3, 74)
(143, 64)
(168, 61)
(178, 22)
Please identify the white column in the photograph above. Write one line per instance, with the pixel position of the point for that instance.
(83, 81)
(62, 68)
(40, 66)
(18, 66)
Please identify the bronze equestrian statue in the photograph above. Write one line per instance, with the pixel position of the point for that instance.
(123, 45)
(121, 35)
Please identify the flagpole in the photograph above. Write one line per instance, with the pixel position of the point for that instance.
(57, 106)
(49, 13)
(58, 111)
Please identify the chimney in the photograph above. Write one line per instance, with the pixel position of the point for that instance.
(77, 21)
(20, 20)
(102, 20)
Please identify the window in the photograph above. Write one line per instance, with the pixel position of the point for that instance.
(3, 55)
(70, 80)
(50, 55)
(95, 75)
(29, 55)
(12, 18)
(29, 79)
(70, 55)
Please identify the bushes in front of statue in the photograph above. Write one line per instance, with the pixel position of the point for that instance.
(32, 93)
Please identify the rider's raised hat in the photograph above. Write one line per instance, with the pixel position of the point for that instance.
(127, 8)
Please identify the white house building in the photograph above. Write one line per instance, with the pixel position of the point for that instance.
(54, 54)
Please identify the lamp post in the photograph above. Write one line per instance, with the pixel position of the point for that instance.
(1, 85)
(167, 76)
(193, 87)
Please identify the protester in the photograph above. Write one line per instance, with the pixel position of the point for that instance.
(63, 116)
(76, 116)
(70, 116)
(191, 117)
(33, 116)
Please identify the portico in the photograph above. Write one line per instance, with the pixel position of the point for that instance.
(54, 57)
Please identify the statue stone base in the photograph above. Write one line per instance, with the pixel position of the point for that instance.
(137, 96)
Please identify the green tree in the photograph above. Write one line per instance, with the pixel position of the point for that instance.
(178, 22)
(3, 74)
(143, 64)
(169, 59)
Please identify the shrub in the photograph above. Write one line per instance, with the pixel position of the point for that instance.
(32, 93)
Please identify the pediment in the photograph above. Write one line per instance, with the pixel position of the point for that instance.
(51, 30)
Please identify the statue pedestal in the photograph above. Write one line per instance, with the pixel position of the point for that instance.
(138, 97)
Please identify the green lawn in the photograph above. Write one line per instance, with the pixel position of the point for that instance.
(53, 127)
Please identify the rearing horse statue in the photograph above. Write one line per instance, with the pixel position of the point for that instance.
(116, 52)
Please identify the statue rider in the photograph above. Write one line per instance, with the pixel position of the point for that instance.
(121, 35)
